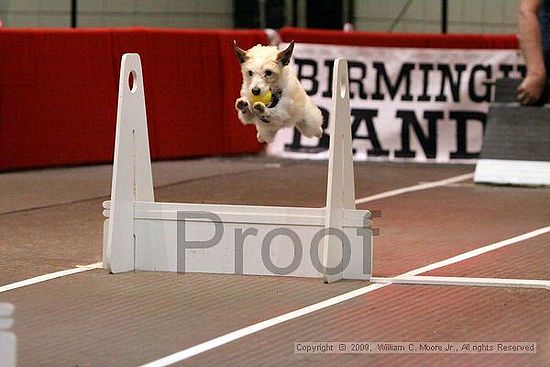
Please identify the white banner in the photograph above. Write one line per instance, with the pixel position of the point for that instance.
(427, 105)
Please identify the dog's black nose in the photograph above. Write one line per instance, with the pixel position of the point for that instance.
(256, 91)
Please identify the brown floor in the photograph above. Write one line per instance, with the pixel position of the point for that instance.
(403, 313)
(526, 260)
(423, 227)
(97, 319)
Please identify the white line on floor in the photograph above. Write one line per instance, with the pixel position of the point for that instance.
(419, 187)
(479, 251)
(464, 281)
(50, 276)
(79, 269)
(227, 338)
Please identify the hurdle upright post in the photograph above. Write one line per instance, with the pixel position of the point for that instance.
(132, 175)
(340, 182)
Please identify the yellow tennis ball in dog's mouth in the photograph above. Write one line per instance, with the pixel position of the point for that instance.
(264, 98)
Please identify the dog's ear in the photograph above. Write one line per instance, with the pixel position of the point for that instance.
(239, 52)
(284, 56)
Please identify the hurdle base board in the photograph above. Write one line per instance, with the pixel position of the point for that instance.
(512, 172)
(462, 281)
(156, 229)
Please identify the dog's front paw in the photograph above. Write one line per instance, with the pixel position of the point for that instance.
(260, 109)
(242, 105)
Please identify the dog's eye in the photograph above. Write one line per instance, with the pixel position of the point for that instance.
(268, 72)
(250, 73)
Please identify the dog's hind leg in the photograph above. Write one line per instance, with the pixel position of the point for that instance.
(311, 125)
(265, 135)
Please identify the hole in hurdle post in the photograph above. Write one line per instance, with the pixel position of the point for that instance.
(132, 85)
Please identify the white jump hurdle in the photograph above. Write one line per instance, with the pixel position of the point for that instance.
(334, 242)
(140, 234)
(8, 340)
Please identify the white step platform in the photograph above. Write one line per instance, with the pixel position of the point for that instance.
(516, 142)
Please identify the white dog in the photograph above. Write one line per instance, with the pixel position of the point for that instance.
(266, 73)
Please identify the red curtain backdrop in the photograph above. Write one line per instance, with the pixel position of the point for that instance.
(58, 93)
(58, 88)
